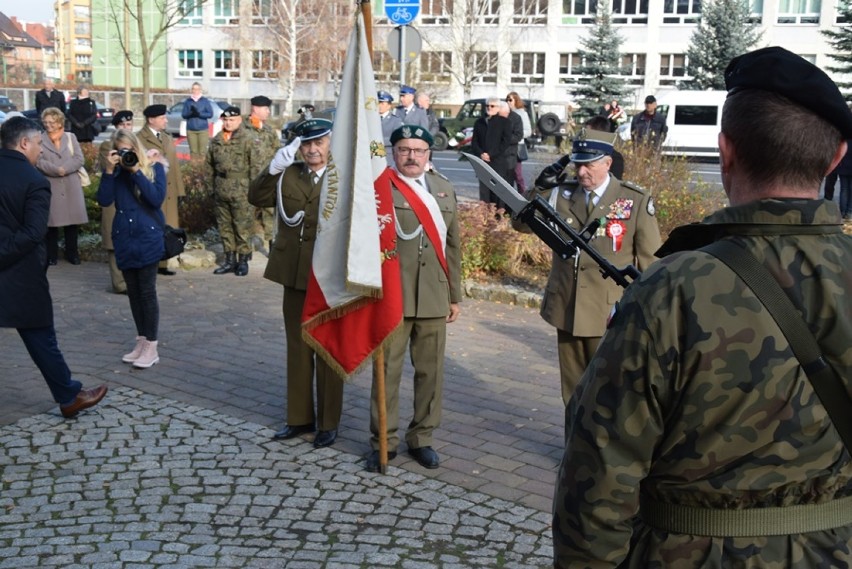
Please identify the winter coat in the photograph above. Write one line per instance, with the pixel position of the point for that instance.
(137, 229)
(83, 116)
(60, 165)
(196, 113)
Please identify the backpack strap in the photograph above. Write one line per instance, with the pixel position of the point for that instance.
(827, 384)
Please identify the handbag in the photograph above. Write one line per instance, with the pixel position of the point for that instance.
(174, 241)
(84, 176)
(522, 152)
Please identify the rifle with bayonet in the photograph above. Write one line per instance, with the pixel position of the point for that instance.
(548, 225)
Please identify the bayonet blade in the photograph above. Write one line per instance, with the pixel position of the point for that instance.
(494, 182)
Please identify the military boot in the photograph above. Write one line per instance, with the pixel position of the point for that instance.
(228, 265)
(242, 266)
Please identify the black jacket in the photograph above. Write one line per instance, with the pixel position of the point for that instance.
(54, 99)
(24, 206)
(83, 114)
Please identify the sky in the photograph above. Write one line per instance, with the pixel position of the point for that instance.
(40, 11)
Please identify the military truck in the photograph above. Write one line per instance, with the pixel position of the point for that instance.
(544, 117)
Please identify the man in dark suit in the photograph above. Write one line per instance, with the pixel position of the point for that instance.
(154, 136)
(430, 266)
(492, 142)
(49, 97)
(25, 302)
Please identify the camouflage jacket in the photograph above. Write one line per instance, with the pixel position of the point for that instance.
(695, 398)
(229, 163)
(263, 143)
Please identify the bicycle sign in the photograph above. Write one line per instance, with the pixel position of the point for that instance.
(402, 12)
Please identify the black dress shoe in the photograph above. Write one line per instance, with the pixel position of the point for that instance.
(426, 456)
(73, 260)
(165, 271)
(325, 438)
(51, 262)
(290, 431)
(373, 460)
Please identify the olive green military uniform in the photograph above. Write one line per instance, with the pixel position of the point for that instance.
(174, 179)
(229, 165)
(695, 398)
(264, 144)
(427, 294)
(289, 265)
(107, 216)
(578, 299)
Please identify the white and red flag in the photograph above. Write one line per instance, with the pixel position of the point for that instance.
(354, 297)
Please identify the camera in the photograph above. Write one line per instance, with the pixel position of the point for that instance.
(128, 158)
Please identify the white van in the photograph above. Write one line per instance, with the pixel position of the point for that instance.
(694, 119)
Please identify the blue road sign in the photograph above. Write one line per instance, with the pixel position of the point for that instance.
(402, 12)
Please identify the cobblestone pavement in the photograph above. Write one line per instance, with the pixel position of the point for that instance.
(176, 469)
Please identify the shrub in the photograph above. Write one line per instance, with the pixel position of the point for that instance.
(196, 207)
(677, 198)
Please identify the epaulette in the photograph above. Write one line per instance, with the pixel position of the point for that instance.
(633, 186)
(436, 173)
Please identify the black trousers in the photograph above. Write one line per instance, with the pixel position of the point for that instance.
(71, 251)
(142, 293)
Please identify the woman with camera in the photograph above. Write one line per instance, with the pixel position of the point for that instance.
(61, 158)
(137, 187)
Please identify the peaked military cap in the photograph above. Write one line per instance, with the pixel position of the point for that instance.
(231, 111)
(591, 145)
(154, 111)
(385, 97)
(407, 131)
(261, 101)
(406, 90)
(779, 71)
(122, 116)
(313, 125)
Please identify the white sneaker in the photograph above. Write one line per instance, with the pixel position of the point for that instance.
(137, 351)
(148, 357)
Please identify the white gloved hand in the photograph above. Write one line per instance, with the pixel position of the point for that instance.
(285, 156)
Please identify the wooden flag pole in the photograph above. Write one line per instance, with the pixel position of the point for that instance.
(379, 358)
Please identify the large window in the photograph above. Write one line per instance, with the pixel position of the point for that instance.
(527, 68)
(436, 12)
(579, 11)
(226, 63)
(485, 64)
(486, 12)
(696, 115)
(264, 64)
(191, 10)
(261, 11)
(435, 66)
(190, 63)
(672, 68)
(226, 12)
(756, 11)
(307, 65)
(630, 11)
(82, 28)
(569, 63)
(633, 67)
(681, 11)
(798, 11)
(530, 12)
(384, 67)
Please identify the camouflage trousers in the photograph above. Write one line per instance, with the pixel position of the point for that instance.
(235, 218)
(265, 223)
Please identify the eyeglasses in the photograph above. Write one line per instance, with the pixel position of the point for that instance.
(509, 99)
(419, 152)
(492, 106)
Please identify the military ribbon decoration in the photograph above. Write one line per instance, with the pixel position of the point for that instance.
(354, 296)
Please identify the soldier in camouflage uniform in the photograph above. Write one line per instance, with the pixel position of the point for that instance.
(577, 298)
(695, 438)
(264, 143)
(229, 162)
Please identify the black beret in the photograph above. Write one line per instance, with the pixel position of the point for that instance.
(154, 111)
(231, 111)
(261, 101)
(411, 131)
(779, 71)
(122, 116)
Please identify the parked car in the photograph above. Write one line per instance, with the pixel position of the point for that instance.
(2, 117)
(105, 115)
(174, 118)
(7, 105)
(32, 114)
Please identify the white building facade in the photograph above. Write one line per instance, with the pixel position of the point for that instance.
(531, 46)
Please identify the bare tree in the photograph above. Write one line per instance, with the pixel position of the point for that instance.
(132, 19)
(476, 35)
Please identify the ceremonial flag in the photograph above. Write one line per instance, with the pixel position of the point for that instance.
(354, 296)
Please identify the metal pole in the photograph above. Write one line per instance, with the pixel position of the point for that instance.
(127, 102)
(402, 55)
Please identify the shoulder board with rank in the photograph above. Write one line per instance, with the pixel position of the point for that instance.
(635, 187)
(436, 173)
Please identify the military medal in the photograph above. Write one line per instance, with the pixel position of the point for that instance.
(615, 230)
